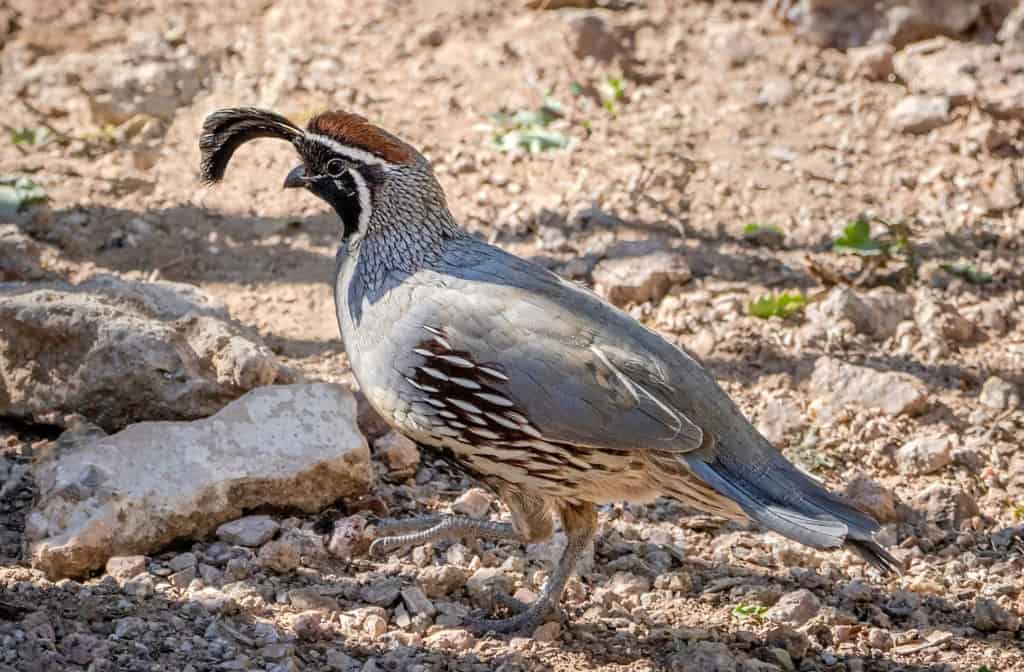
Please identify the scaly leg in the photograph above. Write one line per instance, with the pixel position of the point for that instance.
(580, 523)
(435, 528)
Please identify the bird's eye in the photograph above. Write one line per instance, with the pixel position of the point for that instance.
(335, 167)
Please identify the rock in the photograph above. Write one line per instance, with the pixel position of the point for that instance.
(853, 23)
(182, 578)
(296, 547)
(924, 455)
(138, 490)
(624, 584)
(1011, 33)
(1004, 194)
(348, 539)
(383, 593)
(590, 37)
(999, 394)
(310, 625)
(416, 602)
(945, 505)
(124, 567)
(485, 581)
(439, 581)
(182, 561)
(990, 616)
(308, 598)
(549, 632)
(919, 114)
(399, 453)
(941, 320)
(879, 638)
(475, 503)
(874, 498)
(941, 68)
(23, 258)
(873, 62)
(877, 313)
(779, 418)
(248, 531)
(892, 393)
(451, 640)
(638, 272)
(339, 661)
(148, 77)
(794, 608)
(703, 657)
(128, 351)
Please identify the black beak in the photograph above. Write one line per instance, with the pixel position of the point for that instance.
(296, 178)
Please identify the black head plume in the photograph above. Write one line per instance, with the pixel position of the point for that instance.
(226, 130)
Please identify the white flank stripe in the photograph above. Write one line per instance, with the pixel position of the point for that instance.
(433, 373)
(496, 399)
(464, 405)
(455, 360)
(443, 342)
(491, 372)
(504, 422)
(421, 388)
(466, 383)
(421, 351)
(486, 433)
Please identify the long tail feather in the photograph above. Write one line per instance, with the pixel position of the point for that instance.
(226, 130)
(780, 497)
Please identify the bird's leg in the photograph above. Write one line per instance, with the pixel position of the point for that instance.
(579, 522)
(435, 528)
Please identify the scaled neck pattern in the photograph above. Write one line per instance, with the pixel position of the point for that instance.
(409, 229)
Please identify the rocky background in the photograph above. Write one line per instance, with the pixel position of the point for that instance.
(189, 478)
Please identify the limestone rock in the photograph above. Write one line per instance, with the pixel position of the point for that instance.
(924, 455)
(838, 384)
(919, 114)
(945, 505)
(137, 490)
(874, 498)
(248, 531)
(638, 272)
(794, 608)
(1000, 394)
(118, 351)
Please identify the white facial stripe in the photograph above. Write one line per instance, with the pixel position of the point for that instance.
(353, 153)
(364, 199)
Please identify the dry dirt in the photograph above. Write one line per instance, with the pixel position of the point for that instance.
(726, 120)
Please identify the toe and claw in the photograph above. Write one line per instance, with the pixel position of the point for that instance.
(580, 523)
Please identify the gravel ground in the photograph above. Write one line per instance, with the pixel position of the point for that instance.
(687, 123)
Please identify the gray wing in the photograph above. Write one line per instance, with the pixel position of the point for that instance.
(575, 366)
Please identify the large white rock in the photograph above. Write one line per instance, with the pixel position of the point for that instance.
(295, 446)
(120, 351)
(836, 384)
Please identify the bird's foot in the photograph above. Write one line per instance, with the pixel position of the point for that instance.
(435, 528)
(525, 617)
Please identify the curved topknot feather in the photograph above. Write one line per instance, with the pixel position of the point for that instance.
(226, 130)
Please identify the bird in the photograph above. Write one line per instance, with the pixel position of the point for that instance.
(534, 386)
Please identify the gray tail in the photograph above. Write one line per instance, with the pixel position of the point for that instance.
(782, 498)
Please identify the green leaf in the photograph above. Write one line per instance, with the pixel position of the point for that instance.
(744, 611)
(768, 234)
(968, 272)
(17, 194)
(1018, 513)
(781, 305)
(856, 239)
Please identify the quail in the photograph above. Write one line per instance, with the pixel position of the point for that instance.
(552, 398)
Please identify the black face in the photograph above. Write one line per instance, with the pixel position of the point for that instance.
(341, 194)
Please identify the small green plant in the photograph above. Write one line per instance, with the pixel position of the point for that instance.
(33, 137)
(984, 668)
(747, 612)
(18, 193)
(856, 239)
(612, 90)
(1018, 513)
(527, 129)
(782, 305)
(968, 272)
